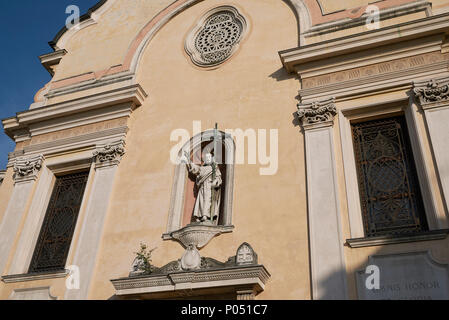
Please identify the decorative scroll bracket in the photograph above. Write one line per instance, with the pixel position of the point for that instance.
(27, 169)
(317, 114)
(109, 155)
(433, 93)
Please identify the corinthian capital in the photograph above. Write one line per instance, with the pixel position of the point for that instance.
(27, 168)
(431, 93)
(317, 113)
(110, 154)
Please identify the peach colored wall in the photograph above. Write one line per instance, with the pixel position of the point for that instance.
(108, 46)
(251, 90)
(246, 92)
(104, 45)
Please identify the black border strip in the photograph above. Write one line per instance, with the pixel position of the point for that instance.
(84, 17)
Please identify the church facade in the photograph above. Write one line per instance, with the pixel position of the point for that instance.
(254, 149)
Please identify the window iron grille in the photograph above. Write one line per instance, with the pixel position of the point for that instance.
(59, 223)
(389, 189)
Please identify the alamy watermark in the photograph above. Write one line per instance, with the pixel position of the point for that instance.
(73, 19)
(252, 146)
(372, 282)
(373, 17)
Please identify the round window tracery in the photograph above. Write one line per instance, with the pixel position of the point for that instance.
(216, 37)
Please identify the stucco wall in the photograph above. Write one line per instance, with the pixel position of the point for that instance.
(249, 91)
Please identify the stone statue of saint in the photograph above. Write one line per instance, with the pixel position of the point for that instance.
(208, 182)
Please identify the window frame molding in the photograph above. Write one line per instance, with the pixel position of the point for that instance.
(401, 106)
(38, 210)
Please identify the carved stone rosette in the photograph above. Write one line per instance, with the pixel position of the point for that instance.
(432, 93)
(317, 113)
(27, 169)
(216, 37)
(109, 155)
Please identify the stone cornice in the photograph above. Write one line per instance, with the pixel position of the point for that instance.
(34, 277)
(254, 277)
(27, 168)
(317, 113)
(385, 240)
(433, 93)
(386, 13)
(410, 30)
(19, 126)
(52, 59)
(109, 155)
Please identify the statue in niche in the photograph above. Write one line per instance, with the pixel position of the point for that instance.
(208, 183)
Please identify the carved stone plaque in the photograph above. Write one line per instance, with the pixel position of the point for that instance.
(408, 276)
(246, 255)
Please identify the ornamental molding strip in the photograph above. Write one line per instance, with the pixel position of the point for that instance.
(109, 155)
(385, 14)
(433, 25)
(35, 277)
(240, 274)
(433, 93)
(27, 169)
(216, 36)
(317, 113)
(115, 103)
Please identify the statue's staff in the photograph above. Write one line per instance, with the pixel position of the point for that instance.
(214, 175)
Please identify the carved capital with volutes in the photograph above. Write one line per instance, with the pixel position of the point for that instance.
(433, 93)
(317, 113)
(109, 155)
(27, 168)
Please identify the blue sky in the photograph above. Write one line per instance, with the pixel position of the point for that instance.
(26, 28)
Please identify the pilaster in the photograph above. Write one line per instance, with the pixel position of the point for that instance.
(326, 245)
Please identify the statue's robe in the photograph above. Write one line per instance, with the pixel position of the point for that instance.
(203, 204)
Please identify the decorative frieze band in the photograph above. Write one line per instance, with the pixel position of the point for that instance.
(110, 154)
(317, 113)
(432, 93)
(376, 69)
(26, 169)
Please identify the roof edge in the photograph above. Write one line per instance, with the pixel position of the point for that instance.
(84, 17)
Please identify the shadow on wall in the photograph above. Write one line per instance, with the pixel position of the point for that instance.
(407, 271)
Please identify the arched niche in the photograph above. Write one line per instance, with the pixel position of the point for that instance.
(183, 194)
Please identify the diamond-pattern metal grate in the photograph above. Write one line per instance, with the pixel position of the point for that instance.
(388, 184)
(59, 224)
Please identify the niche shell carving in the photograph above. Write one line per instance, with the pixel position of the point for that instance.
(216, 36)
